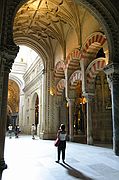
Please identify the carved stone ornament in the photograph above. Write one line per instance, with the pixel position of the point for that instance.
(7, 34)
(8, 54)
(112, 71)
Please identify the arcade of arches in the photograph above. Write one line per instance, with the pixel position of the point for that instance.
(74, 74)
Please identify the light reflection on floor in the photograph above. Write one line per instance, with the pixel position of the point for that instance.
(29, 159)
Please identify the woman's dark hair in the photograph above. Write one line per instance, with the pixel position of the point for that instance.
(62, 127)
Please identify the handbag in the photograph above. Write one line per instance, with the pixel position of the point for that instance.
(56, 143)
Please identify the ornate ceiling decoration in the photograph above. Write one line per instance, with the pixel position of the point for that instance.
(48, 19)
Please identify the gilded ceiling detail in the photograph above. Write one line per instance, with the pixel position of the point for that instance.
(13, 96)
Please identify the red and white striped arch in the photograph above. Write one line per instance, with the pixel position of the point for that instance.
(92, 45)
(60, 87)
(59, 69)
(72, 60)
(75, 78)
(93, 68)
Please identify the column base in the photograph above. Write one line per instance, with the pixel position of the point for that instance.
(116, 148)
(71, 138)
(38, 130)
(3, 166)
(90, 140)
(45, 135)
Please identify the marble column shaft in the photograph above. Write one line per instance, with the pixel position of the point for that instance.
(7, 56)
(89, 118)
(3, 116)
(112, 71)
(57, 114)
(44, 98)
(71, 118)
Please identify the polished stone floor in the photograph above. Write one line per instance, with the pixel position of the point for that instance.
(29, 159)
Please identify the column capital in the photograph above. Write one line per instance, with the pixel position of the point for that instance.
(7, 56)
(112, 68)
(112, 72)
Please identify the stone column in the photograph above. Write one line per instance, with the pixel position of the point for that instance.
(58, 123)
(112, 71)
(3, 112)
(58, 104)
(39, 117)
(21, 105)
(43, 111)
(89, 118)
(71, 118)
(7, 57)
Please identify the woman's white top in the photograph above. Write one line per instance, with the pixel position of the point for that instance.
(10, 128)
(33, 128)
(62, 136)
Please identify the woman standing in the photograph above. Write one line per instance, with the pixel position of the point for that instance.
(61, 134)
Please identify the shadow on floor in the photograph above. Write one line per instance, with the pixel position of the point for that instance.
(74, 172)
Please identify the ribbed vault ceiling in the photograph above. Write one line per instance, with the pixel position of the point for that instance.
(49, 20)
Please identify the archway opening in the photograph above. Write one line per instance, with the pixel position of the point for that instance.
(70, 28)
(79, 124)
(27, 71)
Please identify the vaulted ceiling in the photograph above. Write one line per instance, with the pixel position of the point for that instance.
(47, 18)
(49, 21)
